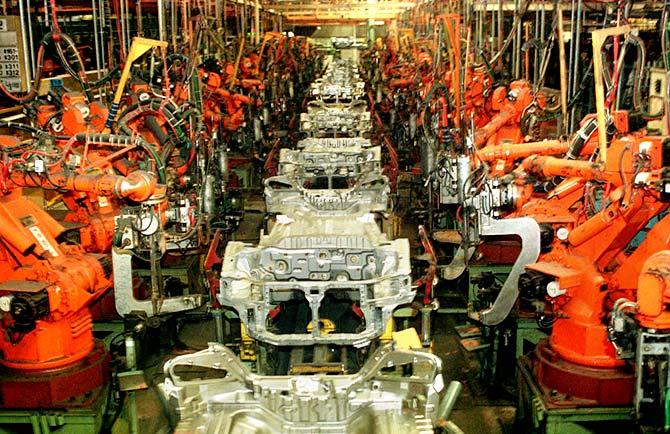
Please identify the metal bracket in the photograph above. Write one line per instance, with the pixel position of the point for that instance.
(598, 38)
(529, 231)
(125, 299)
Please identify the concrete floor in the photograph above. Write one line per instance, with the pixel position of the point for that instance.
(478, 409)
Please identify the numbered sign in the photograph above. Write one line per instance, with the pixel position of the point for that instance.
(12, 73)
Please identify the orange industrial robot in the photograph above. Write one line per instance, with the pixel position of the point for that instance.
(46, 287)
(593, 261)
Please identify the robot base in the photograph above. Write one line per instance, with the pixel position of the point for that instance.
(538, 414)
(565, 384)
(77, 386)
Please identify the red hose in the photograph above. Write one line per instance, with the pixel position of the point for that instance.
(54, 17)
(33, 89)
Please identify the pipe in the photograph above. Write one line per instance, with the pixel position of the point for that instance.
(500, 28)
(237, 64)
(138, 14)
(208, 195)
(121, 17)
(161, 20)
(598, 39)
(217, 314)
(552, 166)
(571, 47)
(564, 78)
(31, 42)
(24, 40)
(131, 364)
(426, 334)
(96, 39)
(520, 150)
(451, 428)
(257, 22)
(101, 29)
(575, 67)
(138, 186)
(517, 52)
(449, 400)
(127, 20)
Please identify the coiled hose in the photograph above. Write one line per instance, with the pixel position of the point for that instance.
(176, 120)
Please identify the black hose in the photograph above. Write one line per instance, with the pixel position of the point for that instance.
(574, 149)
(581, 137)
(105, 79)
(127, 140)
(157, 131)
(81, 76)
(172, 115)
(22, 127)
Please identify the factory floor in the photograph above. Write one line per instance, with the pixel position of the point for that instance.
(479, 409)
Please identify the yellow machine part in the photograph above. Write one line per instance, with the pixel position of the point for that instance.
(247, 350)
(327, 326)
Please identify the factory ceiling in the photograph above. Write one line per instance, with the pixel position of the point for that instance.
(337, 11)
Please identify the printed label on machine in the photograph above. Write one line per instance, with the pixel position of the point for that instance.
(42, 239)
(30, 223)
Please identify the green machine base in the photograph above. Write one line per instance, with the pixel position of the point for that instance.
(535, 416)
(51, 421)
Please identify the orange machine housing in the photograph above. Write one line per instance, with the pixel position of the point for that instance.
(76, 116)
(47, 342)
(653, 290)
(222, 106)
(507, 106)
(92, 197)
